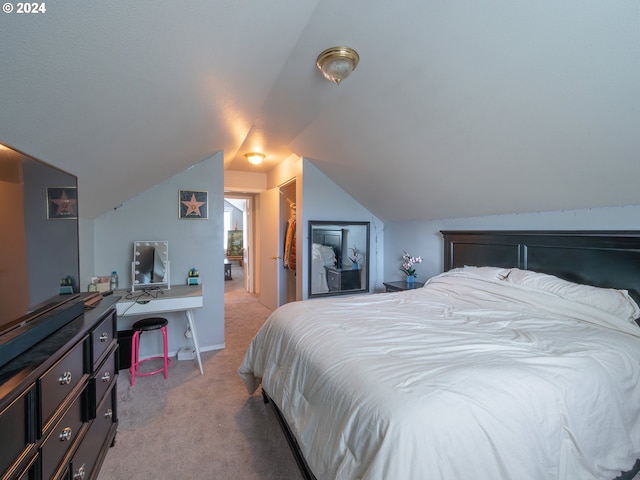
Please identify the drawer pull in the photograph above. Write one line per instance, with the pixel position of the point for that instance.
(65, 378)
(106, 377)
(80, 473)
(65, 436)
(104, 337)
(108, 413)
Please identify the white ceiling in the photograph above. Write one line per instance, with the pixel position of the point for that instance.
(457, 108)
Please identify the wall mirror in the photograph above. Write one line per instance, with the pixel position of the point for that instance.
(150, 266)
(339, 258)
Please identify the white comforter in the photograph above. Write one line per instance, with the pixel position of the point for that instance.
(465, 378)
(321, 256)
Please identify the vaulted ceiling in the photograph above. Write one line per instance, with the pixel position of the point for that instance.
(457, 108)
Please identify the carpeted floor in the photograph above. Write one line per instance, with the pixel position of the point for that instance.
(201, 426)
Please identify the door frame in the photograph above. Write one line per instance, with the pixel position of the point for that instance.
(249, 227)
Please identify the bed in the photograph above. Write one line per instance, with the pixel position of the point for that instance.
(510, 364)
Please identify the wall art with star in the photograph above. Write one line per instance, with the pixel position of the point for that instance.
(193, 204)
(62, 203)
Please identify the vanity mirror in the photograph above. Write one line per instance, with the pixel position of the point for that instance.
(339, 258)
(150, 266)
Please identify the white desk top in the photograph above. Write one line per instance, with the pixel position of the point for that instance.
(176, 299)
(179, 298)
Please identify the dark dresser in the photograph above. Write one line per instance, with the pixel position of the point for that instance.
(58, 414)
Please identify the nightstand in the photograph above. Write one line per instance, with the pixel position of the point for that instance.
(340, 279)
(401, 285)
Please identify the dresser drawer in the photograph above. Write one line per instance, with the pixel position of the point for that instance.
(93, 445)
(104, 377)
(105, 417)
(28, 472)
(60, 380)
(102, 337)
(61, 438)
(15, 431)
(333, 280)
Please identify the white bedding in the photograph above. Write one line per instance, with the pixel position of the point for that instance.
(466, 377)
(321, 256)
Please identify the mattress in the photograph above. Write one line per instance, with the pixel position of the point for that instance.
(470, 375)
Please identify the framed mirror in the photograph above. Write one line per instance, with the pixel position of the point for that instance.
(338, 257)
(150, 266)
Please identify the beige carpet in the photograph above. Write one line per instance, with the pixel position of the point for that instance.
(201, 426)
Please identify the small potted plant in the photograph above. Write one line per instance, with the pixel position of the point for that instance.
(355, 258)
(407, 267)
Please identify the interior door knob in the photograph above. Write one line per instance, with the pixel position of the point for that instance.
(277, 258)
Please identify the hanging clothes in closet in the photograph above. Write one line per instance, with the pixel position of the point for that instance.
(290, 242)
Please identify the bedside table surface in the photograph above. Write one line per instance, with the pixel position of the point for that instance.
(402, 285)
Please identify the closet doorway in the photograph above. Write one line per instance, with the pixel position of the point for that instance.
(279, 246)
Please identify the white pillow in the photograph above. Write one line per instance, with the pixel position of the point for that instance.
(489, 273)
(616, 302)
(327, 254)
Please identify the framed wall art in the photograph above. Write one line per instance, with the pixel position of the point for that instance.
(193, 204)
(234, 243)
(62, 203)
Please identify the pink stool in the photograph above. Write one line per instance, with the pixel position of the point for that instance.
(146, 325)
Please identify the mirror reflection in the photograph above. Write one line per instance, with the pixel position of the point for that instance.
(339, 253)
(150, 266)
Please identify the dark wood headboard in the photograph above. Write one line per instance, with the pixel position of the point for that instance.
(600, 258)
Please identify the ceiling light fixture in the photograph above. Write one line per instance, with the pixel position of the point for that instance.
(337, 63)
(254, 158)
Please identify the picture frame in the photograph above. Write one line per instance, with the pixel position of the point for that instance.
(235, 248)
(193, 204)
(62, 203)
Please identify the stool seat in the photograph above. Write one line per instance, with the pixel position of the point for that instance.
(147, 324)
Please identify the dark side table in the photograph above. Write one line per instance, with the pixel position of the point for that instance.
(401, 285)
(227, 270)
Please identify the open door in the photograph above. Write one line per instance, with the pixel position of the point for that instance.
(277, 280)
(271, 240)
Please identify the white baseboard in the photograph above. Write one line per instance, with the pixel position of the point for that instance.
(209, 348)
(174, 353)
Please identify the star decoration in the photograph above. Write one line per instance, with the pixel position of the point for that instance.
(193, 206)
(66, 205)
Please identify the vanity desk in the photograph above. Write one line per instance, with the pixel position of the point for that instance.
(178, 298)
(58, 414)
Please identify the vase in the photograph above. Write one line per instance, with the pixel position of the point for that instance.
(410, 279)
(354, 266)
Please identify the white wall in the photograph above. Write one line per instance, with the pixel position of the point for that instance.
(245, 182)
(153, 215)
(236, 216)
(322, 199)
(86, 251)
(423, 237)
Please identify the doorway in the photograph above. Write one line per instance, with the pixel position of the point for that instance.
(238, 242)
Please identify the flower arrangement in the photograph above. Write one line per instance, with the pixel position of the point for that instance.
(407, 264)
(355, 255)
